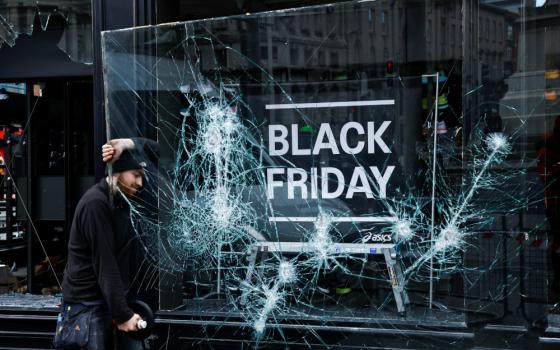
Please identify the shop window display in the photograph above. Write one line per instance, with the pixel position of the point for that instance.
(299, 190)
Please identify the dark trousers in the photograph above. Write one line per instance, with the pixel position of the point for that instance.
(101, 329)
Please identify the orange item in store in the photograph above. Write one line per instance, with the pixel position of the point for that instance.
(552, 74)
(550, 95)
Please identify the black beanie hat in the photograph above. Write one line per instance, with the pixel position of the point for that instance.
(129, 160)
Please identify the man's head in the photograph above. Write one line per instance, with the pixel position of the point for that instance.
(128, 172)
(129, 181)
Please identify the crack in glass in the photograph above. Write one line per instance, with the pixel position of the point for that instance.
(302, 195)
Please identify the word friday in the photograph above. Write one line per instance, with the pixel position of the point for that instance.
(328, 182)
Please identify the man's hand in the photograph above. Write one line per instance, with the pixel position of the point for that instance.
(131, 325)
(112, 150)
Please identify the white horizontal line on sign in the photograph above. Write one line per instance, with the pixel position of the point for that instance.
(344, 248)
(334, 219)
(332, 104)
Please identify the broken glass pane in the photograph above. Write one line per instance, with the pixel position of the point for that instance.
(29, 301)
(76, 41)
(335, 164)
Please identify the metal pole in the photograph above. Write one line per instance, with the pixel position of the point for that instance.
(434, 163)
(105, 92)
(8, 182)
(98, 9)
(29, 194)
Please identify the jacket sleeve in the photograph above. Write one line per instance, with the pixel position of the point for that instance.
(98, 229)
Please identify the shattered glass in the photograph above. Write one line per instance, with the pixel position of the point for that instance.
(317, 169)
(29, 301)
(17, 18)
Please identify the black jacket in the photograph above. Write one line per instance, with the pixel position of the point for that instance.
(99, 250)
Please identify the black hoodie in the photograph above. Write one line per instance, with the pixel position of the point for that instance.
(99, 250)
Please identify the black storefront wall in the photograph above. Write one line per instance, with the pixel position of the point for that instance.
(44, 198)
(35, 60)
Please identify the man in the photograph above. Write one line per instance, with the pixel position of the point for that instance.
(96, 276)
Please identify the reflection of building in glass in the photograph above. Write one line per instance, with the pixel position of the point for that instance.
(532, 88)
(378, 33)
